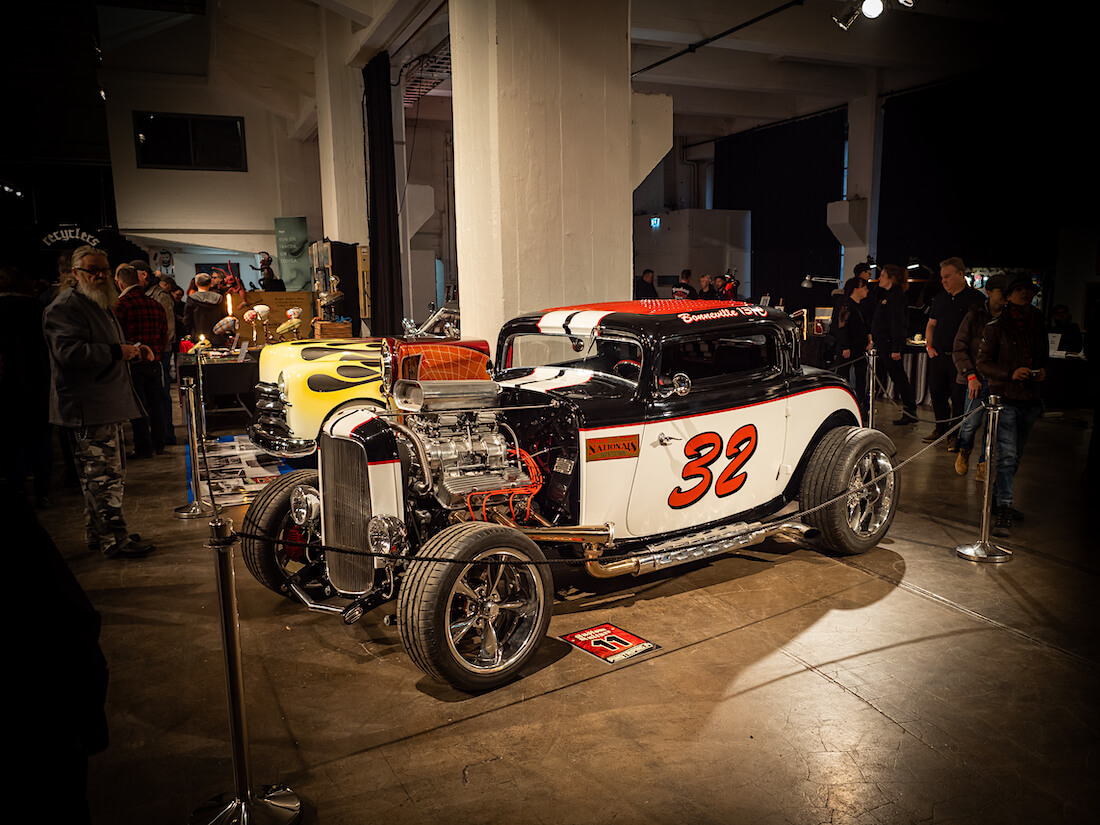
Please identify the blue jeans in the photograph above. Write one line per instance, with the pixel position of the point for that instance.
(1013, 428)
(969, 430)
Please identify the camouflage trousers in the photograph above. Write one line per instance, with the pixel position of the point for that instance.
(98, 452)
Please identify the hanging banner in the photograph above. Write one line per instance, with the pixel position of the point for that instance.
(292, 252)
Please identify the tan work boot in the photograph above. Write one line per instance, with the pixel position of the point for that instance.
(962, 462)
(981, 471)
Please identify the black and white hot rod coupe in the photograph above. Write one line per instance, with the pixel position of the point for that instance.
(629, 436)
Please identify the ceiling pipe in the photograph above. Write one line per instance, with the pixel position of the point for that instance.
(691, 49)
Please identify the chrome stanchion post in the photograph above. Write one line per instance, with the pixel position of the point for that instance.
(872, 356)
(271, 804)
(203, 434)
(198, 507)
(984, 549)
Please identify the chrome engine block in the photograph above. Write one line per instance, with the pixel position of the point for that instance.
(469, 453)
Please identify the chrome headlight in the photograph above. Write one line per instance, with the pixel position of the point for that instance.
(281, 384)
(387, 534)
(305, 506)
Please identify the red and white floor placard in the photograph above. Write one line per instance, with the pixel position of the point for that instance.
(610, 643)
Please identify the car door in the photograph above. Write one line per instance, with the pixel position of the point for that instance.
(714, 452)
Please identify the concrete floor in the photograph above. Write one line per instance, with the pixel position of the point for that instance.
(902, 686)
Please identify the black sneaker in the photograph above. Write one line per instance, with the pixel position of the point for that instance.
(94, 545)
(907, 418)
(932, 436)
(129, 549)
(1003, 527)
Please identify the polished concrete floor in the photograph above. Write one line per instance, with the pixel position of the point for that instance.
(901, 686)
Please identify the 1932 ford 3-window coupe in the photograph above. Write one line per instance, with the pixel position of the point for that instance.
(629, 436)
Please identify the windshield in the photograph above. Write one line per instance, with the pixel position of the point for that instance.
(616, 356)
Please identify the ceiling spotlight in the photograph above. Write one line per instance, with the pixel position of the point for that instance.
(847, 17)
(871, 8)
(852, 11)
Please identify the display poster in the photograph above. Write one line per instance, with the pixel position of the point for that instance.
(610, 643)
(292, 252)
(235, 470)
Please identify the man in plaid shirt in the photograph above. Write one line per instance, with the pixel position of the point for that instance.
(143, 321)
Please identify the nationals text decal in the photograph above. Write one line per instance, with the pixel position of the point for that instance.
(619, 446)
(702, 451)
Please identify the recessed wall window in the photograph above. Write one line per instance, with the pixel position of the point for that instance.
(173, 141)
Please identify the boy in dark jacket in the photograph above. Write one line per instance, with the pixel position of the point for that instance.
(853, 337)
(1013, 356)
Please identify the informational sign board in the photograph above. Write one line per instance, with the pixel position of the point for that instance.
(610, 643)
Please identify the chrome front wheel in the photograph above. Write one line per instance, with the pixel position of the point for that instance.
(477, 615)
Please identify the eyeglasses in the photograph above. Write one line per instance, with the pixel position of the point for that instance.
(106, 271)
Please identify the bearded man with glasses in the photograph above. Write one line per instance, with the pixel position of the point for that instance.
(92, 394)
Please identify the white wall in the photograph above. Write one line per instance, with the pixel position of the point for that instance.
(702, 240)
(229, 210)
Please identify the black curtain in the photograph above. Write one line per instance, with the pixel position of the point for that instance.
(973, 168)
(786, 175)
(385, 247)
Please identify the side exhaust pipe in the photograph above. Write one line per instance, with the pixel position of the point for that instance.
(668, 553)
(697, 546)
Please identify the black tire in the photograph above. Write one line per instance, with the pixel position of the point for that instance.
(272, 562)
(434, 598)
(845, 458)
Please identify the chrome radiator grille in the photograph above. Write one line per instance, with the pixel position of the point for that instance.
(345, 511)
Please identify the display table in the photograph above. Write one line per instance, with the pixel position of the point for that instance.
(229, 385)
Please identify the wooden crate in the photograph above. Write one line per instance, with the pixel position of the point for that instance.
(331, 329)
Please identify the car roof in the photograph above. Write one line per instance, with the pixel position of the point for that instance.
(657, 317)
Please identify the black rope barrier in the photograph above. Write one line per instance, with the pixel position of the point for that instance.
(605, 558)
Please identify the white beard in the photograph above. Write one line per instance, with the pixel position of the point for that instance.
(103, 296)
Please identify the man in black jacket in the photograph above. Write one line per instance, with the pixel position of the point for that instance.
(888, 333)
(644, 286)
(203, 310)
(1013, 356)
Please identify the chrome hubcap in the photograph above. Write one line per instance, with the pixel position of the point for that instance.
(493, 611)
(872, 498)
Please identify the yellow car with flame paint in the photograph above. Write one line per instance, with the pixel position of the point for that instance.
(303, 382)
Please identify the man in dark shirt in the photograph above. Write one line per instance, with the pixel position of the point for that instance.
(643, 287)
(142, 321)
(888, 333)
(947, 310)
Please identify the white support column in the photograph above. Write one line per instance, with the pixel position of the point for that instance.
(855, 221)
(543, 172)
(340, 135)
